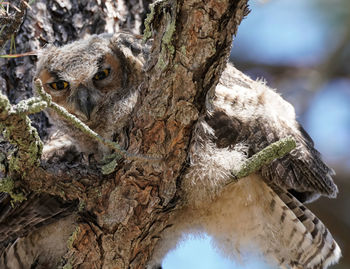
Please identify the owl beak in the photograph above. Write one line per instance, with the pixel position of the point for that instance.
(84, 101)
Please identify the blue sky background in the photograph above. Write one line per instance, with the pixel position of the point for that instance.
(299, 33)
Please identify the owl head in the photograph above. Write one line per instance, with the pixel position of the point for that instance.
(83, 76)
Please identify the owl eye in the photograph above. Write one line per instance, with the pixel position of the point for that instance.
(59, 85)
(102, 74)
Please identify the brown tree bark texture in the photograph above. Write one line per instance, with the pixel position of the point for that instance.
(130, 208)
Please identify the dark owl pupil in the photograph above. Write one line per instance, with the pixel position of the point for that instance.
(101, 75)
(60, 85)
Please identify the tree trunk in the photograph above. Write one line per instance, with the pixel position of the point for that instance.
(125, 212)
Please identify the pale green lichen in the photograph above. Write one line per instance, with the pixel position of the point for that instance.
(168, 36)
(30, 106)
(267, 155)
(167, 46)
(110, 163)
(29, 144)
(2, 161)
(161, 64)
(183, 50)
(18, 131)
(81, 206)
(98, 192)
(109, 167)
(4, 106)
(7, 185)
(147, 33)
(73, 237)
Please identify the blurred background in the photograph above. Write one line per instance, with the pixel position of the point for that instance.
(301, 48)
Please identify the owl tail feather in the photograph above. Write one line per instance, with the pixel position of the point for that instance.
(309, 242)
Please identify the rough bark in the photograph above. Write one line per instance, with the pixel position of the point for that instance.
(128, 210)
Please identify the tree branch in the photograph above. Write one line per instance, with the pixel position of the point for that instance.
(265, 156)
(18, 131)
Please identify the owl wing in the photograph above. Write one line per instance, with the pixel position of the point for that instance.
(294, 235)
(251, 113)
(36, 211)
(301, 171)
(304, 241)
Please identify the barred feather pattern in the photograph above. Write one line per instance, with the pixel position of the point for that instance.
(315, 247)
(272, 222)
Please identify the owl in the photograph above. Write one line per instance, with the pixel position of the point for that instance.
(98, 80)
